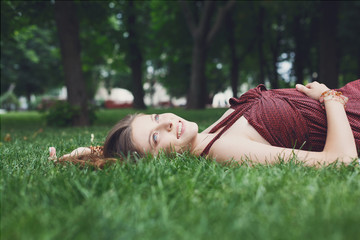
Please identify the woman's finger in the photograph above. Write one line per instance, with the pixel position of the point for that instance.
(302, 88)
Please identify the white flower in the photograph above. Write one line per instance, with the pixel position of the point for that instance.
(52, 154)
(92, 138)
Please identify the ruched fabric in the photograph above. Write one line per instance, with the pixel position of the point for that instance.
(288, 118)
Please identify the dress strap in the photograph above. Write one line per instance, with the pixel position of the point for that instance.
(226, 123)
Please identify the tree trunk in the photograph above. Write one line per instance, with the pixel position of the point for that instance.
(312, 59)
(68, 30)
(202, 33)
(275, 75)
(329, 52)
(135, 58)
(260, 34)
(299, 50)
(275, 48)
(198, 88)
(234, 65)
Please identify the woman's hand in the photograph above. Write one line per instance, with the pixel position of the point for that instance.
(313, 90)
(75, 153)
(78, 152)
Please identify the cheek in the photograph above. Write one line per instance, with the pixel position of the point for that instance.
(166, 143)
(169, 144)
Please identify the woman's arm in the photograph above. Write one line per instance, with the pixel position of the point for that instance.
(81, 151)
(91, 156)
(340, 143)
(339, 139)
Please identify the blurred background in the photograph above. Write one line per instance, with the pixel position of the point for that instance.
(194, 54)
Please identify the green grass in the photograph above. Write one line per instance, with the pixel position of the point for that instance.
(179, 198)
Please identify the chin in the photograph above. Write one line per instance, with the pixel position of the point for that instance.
(193, 128)
(192, 131)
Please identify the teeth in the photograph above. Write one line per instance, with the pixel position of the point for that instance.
(179, 130)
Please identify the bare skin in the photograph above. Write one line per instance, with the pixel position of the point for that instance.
(168, 132)
(340, 142)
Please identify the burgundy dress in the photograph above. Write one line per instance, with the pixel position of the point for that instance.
(288, 118)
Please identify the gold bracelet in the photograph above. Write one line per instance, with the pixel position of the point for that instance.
(333, 95)
(97, 150)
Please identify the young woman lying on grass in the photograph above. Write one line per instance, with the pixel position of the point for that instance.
(318, 125)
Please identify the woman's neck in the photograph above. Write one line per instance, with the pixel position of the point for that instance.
(200, 142)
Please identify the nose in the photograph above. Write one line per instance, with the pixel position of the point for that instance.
(170, 127)
(167, 125)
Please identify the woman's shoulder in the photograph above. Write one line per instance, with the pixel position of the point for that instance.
(227, 113)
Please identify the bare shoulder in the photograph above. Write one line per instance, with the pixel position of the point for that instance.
(227, 113)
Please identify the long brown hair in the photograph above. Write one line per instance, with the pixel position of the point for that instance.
(118, 145)
(119, 141)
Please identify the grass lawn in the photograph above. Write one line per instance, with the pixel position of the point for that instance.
(160, 198)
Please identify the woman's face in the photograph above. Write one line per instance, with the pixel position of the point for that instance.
(166, 131)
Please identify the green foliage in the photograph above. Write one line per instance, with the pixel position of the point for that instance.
(177, 197)
(30, 55)
(9, 101)
(61, 114)
(172, 64)
(30, 58)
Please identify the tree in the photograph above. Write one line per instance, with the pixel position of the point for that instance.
(134, 54)
(202, 34)
(260, 43)
(234, 65)
(275, 39)
(29, 53)
(127, 33)
(68, 29)
(349, 34)
(119, 40)
(239, 41)
(329, 47)
(170, 51)
(302, 30)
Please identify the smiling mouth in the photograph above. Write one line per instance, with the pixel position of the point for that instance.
(180, 125)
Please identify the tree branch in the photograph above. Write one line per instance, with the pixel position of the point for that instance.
(220, 17)
(205, 17)
(188, 17)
